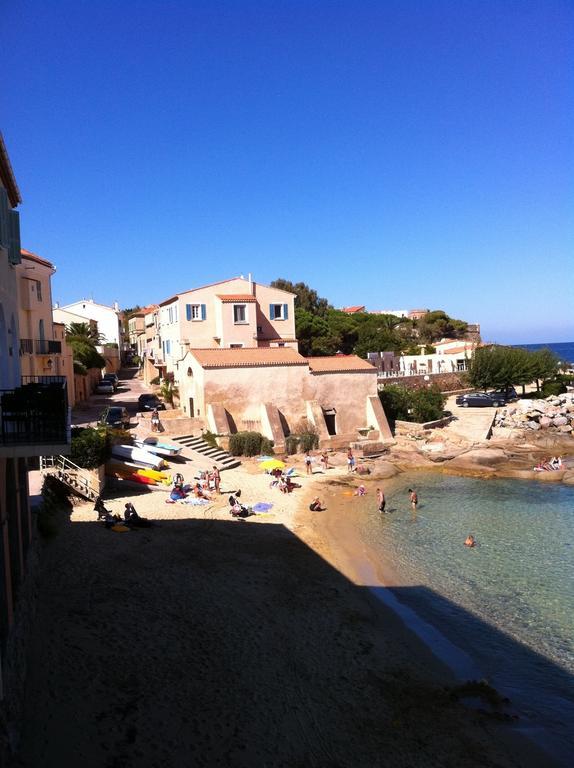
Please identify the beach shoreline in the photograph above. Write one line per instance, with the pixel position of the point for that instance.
(264, 646)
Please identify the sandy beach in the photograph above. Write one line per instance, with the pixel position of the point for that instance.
(209, 641)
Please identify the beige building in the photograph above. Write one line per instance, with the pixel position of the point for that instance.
(271, 390)
(34, 414)
(43, 348)
(232, 314)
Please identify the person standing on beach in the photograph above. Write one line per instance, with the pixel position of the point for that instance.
(216, 478)
(350, 461)
(381, 499)
(308, 461)
(413, 498)
(325, 460)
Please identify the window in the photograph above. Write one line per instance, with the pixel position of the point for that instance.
(195, 312)
(239, 313)
(38, 290)
(278, 311)
(236, 346)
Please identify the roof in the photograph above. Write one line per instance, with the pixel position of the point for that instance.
(88, 302)
(247, 357)
(220, 282)
(7, 175)
(339, 364)
(232, 297)
(352, 310)
(29, 256)
(457, 350)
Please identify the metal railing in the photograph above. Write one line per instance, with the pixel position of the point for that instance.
(40, 347)
(35, 413)
(71, 474)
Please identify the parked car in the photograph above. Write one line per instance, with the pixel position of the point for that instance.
(105, 387)
(508, 393)
(480, 400)
(115, 416)
(148, 402)
(113, 377)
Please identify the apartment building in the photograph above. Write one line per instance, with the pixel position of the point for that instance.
(232, 314)
(107, 318)
(43, 349)
(34, 413)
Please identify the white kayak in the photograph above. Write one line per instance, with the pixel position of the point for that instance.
(138, 455)
(153, 445)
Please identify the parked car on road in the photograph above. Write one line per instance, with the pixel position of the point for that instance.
(105, 387)
(480, 400)
(148, 402)
(508, 393)
(115, 416)
(113, 378)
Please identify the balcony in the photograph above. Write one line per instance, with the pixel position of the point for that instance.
(34, 418)
(40, 347)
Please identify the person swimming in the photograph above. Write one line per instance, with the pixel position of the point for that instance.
(470, 541)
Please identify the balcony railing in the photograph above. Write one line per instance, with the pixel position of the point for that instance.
(35, 413)
(40, 347)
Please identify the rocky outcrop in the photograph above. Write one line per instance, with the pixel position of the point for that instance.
(554, 414)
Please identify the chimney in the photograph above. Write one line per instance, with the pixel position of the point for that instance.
(57, 305)
(251, 286)
(116, 306)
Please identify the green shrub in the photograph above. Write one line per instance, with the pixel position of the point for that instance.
(210, 438)
(55, 495)
(90, 447)
(427, 404)
(553, 388)
(249, 444)
(291, 444)
(308, 441)
(266, 448)
(396, 402)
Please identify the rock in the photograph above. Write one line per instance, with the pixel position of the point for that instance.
(533, 425)
(559, 421)
(565, 428)
(545, 422)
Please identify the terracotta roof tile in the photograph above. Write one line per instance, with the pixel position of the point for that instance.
(352, 310)
(247, 357)
(338, 364)
(227, 297)
(33, 257)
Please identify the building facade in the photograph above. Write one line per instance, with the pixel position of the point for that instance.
(34, 413)
(107, 318)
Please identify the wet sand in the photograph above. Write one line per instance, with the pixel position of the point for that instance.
(207, 641)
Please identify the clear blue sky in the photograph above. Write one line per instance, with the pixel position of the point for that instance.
(393, 154)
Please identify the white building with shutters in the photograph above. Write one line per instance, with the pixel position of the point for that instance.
(230, 314)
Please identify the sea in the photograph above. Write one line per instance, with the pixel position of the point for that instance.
(564, 350)
(503, 611)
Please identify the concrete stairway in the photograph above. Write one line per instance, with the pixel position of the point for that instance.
(221, 459)
(76, 478)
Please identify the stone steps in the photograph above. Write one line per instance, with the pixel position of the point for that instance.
(221, 459)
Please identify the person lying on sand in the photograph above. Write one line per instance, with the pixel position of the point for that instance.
(316, 505)
(361, 491)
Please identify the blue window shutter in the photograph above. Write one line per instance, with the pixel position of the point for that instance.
(188, 311)
(4, 237)
(285, 311)
(272, 311)
(14, 255)
(203, 312)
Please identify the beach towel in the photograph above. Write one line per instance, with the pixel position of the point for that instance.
(262, 506)
(195, 502)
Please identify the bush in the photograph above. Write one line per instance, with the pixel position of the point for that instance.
(396, 402)
(308, 441)
(427, 404)
(249, 444)
(90, 447)
(291, 444)
(553, 388)
(210, 438)
(55, 495)
(266, 446)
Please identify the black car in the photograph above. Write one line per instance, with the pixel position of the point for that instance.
(116, 417)
(480, 400)
(149, 402)
(113, 379)
(508, 393)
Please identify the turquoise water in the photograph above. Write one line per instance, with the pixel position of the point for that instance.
(508, 603)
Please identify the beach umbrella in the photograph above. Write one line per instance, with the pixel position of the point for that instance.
(272, 464)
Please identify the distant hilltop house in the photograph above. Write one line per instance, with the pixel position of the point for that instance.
(450, 356)
(230, 349)
(411, 314)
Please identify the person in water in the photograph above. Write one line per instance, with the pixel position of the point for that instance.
(381, 499)
(470, 541)
(414, 499)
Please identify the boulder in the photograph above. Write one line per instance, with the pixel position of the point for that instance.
(559, 421)
(565, 428)
(533, 425)
(545, 422)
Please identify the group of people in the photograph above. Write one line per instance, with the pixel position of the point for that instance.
(131, 519)
(208, 482)
(549, 465)
(324, 459)
(283, 481)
